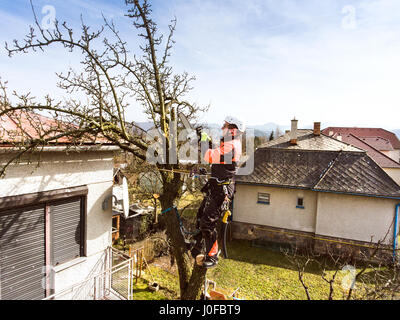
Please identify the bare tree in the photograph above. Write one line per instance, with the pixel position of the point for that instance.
(371, 275)
(111, 75)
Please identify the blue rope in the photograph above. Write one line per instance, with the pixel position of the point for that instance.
(180, 221)
(166, 210)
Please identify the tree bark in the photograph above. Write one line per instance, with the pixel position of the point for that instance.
(191, 278)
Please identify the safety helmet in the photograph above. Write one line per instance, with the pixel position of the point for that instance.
(239, 124)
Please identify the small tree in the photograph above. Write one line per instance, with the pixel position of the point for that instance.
(109, 77)
(368, 277)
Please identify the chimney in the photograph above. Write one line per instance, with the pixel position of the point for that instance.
(293, 132)
(317, 128)
(339, 137)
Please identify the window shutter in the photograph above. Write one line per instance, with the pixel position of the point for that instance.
(22, 253)
(66, 230)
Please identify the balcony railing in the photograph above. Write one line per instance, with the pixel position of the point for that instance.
(113, 283)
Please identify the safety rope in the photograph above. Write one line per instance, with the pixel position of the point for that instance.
(189, 172)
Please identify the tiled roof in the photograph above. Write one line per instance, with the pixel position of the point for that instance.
(22, 126)
(380, 158)
(378, 143)
(366, 132)
(332, 171)
(306, 140)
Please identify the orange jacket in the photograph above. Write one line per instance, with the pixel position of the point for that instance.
(224, 160)
(228, 152)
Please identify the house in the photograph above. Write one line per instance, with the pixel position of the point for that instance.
(378, 138)
(310, 190)
(373, 146)
(54, 233)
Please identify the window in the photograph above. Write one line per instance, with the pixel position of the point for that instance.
(263, 198)
(39, 229)
(300, 203)
(66, 229)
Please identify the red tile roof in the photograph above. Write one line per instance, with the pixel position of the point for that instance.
(380, 158)
(366, 133)
(23, 126)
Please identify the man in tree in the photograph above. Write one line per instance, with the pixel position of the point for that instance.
(219, 189)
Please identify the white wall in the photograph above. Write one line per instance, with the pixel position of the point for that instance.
(394, 154)
(56, 171)
(394, 173)
(335, 215)
(355, 217)
(280, 213)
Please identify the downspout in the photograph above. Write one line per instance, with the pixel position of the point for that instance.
(396, 218)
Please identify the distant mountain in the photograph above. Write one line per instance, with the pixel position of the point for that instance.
(145, 125)
(263, 130)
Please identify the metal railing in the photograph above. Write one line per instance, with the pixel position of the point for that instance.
(113, 283)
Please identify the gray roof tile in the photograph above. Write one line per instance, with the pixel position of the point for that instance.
(306, 140)
(326, 170)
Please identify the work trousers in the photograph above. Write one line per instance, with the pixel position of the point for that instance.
(209, 213)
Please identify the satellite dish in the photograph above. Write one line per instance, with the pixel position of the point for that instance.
(125, 197)
(120, 195)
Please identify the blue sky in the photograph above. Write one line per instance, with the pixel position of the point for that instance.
(332, 61)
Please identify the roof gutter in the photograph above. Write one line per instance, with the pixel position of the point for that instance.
(64, 148)
(316, 190)
(357, 194)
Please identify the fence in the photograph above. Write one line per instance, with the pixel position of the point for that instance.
(113, 283)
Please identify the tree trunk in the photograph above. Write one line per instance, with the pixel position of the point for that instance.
(190, 283)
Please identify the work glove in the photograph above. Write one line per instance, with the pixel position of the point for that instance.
(205, 137)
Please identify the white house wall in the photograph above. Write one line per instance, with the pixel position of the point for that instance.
(58, 171)
(394, 154)
(394, 173)
(280, 213)
(355, 217)
(327, 214)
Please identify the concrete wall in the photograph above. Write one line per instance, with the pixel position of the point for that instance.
(280, 213)
(394, 173)
(58, 170)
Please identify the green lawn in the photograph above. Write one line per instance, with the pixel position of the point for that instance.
(260, 274)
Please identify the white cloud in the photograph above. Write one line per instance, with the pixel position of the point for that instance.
(305, 65)
(264, 60)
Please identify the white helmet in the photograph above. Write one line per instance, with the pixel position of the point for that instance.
(237, 122)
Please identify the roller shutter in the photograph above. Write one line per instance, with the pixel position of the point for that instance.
(66, 230)
(22, 253)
